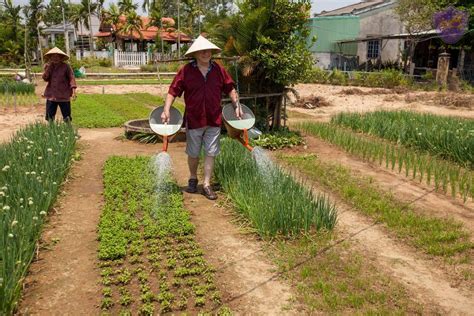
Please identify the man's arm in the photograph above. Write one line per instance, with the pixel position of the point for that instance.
(234, 97)
(165, 116)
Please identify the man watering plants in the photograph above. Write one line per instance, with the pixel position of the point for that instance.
(203, 81)
(61, 84)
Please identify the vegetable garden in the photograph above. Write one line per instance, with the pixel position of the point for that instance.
(149, 258)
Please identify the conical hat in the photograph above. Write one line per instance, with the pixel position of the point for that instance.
(56, 50)
(201, 43)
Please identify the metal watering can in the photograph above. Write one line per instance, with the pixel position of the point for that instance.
(166, 130)
(240, 128)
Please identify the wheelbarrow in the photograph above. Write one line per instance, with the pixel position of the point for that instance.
(167, 131)
(242, 128)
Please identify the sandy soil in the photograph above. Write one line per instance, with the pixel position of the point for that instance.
(422, 102)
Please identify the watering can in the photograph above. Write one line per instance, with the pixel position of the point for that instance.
(239, 128)
(166, 130)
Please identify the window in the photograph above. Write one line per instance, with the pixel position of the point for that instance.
(373, 49)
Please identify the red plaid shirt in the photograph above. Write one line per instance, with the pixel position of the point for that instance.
(202, 95)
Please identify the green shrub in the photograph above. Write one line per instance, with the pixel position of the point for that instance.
(279, 139)
(338, 77)
(317, 75)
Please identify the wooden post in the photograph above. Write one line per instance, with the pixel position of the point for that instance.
(443, 69)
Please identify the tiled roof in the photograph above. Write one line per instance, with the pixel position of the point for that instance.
(148, 32)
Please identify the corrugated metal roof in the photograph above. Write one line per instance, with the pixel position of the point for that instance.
(352, 9)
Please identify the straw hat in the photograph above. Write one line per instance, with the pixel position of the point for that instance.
(56, 50)
(201, 43)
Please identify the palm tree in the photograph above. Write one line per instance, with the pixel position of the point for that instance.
(78, 19)
(156, 19)
(35, 10)
(132, 24)
(193, 10)
(127, 6)
(12, 15)
(111, 17)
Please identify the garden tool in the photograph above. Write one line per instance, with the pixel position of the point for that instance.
(168, 130)
(238, 128)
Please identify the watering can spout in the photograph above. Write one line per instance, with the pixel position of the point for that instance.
(166, 130)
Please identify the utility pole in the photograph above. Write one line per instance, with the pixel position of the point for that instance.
(66, 34)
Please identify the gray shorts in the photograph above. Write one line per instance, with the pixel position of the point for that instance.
(207, 136)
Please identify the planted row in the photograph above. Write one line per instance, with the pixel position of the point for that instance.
(435, 236)
(150, 262)
(445, 176)
(446, 137)
(16, 87)
(271, 199)
(112, 110)
(33, 165)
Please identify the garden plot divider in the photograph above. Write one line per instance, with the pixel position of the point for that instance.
(33, 166)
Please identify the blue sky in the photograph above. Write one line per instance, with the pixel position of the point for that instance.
(317, 5)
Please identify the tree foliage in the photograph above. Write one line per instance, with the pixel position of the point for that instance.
(417, 16)
(270, 36)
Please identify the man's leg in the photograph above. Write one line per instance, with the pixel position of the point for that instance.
(211, 149)
(193, 166)
(208, 169)
(193, 147)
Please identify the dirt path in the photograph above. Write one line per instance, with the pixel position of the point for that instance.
(65, 278)
(424, 280)
(11, 121)
(242, 269)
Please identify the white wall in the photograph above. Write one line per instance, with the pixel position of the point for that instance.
(384, 22)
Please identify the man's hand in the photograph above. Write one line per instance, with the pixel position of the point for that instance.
(238, 111)
(74, 95)
(165, 116)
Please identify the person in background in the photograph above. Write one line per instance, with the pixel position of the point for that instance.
(202, 81)
(61, 85)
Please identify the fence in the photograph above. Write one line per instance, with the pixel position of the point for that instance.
(97, 54)
(130, 58)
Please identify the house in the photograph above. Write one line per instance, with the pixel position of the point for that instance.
(140, 41)
(354, 34)
(51, 34)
